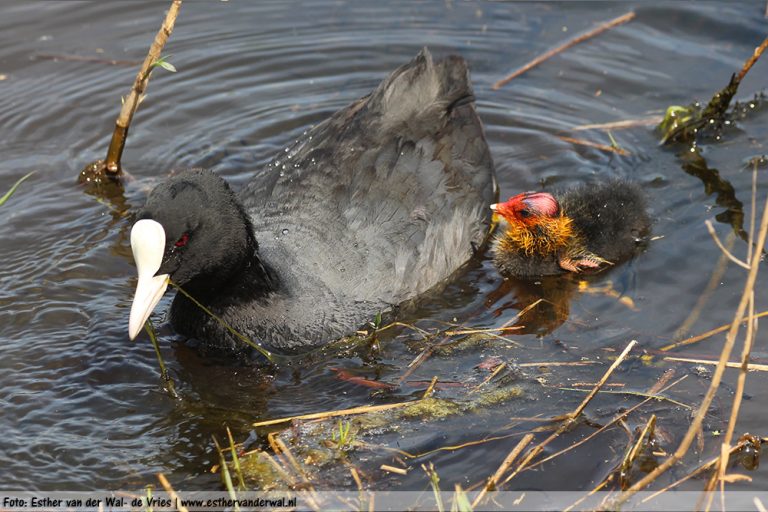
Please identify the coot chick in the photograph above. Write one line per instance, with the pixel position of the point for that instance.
(373, 207)
(586, 228)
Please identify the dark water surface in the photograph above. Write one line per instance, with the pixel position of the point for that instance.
(83, 407)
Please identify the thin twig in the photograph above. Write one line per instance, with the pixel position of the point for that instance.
(596, 145)
(488, 379)
(632, 454)
(331, 414)
(599, 486)
(708, 334)
(665, 377)
(484, 331)
(556, 363)
(730, 340)
(620, 125)
(521, 313)
(311, 494)
(427, 352)
(577, 385)
(169, 489)
(506, 463)
(720, 245)
(455, 447)
(751, 61)
(417, 362)
(430, 388)
(576, 40)
(605, 427)
(571, 417)
(709, 290)
(424, 334)
(722, 464)
(633, 393)
(279, 468)
(690, 475)
(117, 144)
(752, 367)
(752, 209)
(737, 397)
(604, 378)
(392, 469)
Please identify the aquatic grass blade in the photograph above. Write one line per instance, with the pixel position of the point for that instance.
(226, 476)
(171, 387)
(236, 461)
(270, 357)
(14, 187)
(149, 499)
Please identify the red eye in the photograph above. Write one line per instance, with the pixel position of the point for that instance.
(181, 242)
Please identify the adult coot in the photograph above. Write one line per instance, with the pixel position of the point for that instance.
(380, 202)
(588, 227)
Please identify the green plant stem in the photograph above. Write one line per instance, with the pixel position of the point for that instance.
(227, 477)
(14, 187)
(163, 370)
(236, 461)
(270, 357)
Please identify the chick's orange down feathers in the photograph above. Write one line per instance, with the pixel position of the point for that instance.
(587, 228)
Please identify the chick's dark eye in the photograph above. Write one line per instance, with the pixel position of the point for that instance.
(525, 213)
(182, 241)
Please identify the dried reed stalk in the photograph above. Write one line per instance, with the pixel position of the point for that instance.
(576, 40)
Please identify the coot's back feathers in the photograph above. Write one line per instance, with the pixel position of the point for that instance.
(391, 192)
(371, 208)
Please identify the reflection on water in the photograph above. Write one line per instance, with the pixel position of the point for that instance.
(84, 408)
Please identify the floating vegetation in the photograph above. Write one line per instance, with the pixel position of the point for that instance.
(687, 124)
(319, 441)
(430, 409)
(474, 341)
(497, 396)
(260, 473)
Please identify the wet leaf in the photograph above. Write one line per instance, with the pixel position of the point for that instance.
(163, 63)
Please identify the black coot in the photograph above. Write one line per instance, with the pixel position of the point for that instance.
(380, 202)
(586, 228)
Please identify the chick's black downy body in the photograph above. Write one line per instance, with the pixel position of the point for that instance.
(593, 226)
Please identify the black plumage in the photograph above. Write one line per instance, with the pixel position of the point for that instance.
(586, 228)
(378, 204)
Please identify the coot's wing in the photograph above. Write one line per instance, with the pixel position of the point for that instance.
(388, 196)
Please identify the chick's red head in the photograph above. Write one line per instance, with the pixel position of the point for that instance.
(528, 208)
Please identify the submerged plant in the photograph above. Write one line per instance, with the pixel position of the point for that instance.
(687, 124)
(343, 438)
(434, 481)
